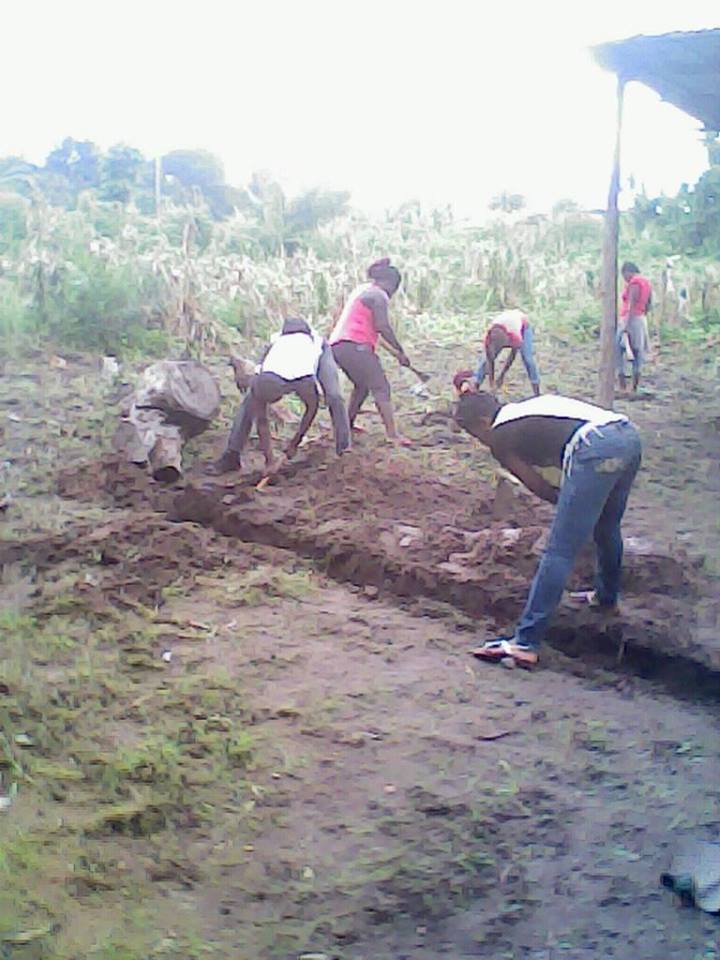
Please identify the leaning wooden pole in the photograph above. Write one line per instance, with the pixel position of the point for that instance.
(606, 379)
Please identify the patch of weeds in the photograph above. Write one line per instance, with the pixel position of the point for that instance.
(268, 582)
(426, 858)
(138, 937)
(593, 735)
(25, 860)
(690, 749)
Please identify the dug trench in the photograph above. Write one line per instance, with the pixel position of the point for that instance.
(265, 737)
(433, 544)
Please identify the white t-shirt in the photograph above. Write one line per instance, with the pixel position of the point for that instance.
(565, 408)
(293, 355)
(550, 405)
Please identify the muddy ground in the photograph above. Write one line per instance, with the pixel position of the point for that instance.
(245, 724)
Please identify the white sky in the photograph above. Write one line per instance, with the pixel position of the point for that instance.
(437, 100)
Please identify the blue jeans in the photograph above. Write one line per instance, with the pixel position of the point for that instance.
(528, 358)
(592, 500)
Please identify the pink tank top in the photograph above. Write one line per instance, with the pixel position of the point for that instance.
(356, 321)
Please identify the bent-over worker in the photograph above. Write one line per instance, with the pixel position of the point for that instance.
(296, 360)
(511, 331)
(596, 454)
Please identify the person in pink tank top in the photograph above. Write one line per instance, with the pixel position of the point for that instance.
(354, 340)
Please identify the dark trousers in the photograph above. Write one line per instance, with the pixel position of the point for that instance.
(328, 377)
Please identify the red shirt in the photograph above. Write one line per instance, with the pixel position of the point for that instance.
(642, 296)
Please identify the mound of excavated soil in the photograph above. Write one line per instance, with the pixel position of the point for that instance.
(376, 520)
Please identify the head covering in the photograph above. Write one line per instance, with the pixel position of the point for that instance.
(296, 325)
(385, 274)
(462, 379)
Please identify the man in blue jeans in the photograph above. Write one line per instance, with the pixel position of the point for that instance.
(595, 454)
(511, 331)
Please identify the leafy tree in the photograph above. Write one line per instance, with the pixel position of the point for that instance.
(78, 161)
(315, 207)
(194, 168)
(508, 202)
(17, 175)
(120, 172)
(196, 172)
(564, 206)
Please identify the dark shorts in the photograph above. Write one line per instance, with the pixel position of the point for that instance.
(360, 362)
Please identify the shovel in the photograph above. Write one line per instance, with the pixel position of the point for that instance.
(422, 377)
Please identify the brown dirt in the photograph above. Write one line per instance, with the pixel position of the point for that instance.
(428, 538)
(393, 798)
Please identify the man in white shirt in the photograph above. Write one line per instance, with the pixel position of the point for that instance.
(296, 360)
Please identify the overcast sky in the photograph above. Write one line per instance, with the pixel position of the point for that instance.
(445, 101)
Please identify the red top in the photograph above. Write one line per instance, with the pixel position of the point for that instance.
(357, 321)
(642, 297)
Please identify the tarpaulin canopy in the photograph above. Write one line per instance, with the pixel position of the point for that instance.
(684, 68)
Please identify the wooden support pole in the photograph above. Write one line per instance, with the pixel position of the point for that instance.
(606, 378)
(158, 181)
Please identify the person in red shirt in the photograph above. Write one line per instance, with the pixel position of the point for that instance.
(632, 329)
(354, 341)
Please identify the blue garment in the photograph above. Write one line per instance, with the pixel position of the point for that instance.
(528, 358)
(593, 497)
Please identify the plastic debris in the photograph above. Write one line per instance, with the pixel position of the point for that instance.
(110, 368)
(694, 874)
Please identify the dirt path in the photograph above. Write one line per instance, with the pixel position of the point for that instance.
(421, 805)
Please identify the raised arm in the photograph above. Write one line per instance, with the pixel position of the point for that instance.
(508, 363)
(378, 304)
(309, 396)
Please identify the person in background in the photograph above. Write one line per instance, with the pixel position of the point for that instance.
(296, 360)
(683, 305)
(354, 340)
(632, 332)
(593, 456)
(511, 331)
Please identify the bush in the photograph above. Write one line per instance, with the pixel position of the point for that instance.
(96, 305)
(16, 318)
(13, 222)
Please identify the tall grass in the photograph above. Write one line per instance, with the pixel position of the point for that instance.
(107, 278)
